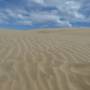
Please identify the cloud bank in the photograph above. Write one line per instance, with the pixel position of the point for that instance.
(45, 13)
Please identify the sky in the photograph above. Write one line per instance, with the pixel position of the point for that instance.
(28, 14)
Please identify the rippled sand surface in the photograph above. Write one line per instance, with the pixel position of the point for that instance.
(45, 60)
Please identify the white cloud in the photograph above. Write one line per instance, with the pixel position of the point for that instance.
(24, 22)
(69, 10)
(68, 7)
(43, 17)
(39, 1)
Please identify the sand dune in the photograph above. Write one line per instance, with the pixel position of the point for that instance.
(45, 60)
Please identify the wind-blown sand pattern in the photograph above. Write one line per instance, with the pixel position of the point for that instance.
(45, 60)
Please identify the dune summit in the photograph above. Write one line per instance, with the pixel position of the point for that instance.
(45, 60)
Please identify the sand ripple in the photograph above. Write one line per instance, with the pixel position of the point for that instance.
(45, 60)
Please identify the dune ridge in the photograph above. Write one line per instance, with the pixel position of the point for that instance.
(45, 60)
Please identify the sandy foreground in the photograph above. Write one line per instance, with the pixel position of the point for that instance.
(45, 60)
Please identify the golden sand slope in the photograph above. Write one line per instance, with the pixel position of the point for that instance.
(45, 60)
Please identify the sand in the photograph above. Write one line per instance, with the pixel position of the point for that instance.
(45, 60)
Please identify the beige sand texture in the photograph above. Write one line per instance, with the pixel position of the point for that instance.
(45, 60)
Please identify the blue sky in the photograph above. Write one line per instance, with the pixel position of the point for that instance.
(44, 13)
